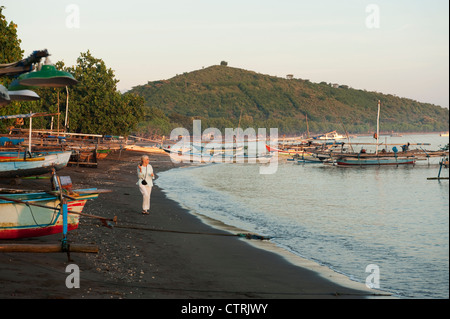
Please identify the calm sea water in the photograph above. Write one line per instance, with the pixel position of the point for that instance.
(343, 218)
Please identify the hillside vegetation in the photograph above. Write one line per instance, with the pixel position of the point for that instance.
(222, 96)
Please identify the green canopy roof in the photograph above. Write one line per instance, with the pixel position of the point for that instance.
(47, 76)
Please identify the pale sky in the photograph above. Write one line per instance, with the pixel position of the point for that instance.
(391, 46)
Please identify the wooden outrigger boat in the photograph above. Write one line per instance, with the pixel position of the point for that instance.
(144, 149)
(216, 157)
(289, 152)
(29, 214)
(24, 213)
(330, 136)
(375, 161)
(28, 166)
(307, 148)
(382, 158)
(259, 158)
(179, 156)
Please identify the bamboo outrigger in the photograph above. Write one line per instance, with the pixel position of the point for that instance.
(442, 163)
(48, 248)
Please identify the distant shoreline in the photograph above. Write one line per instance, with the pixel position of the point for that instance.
(401, 133)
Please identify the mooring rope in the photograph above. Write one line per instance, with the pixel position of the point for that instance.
(241, 235)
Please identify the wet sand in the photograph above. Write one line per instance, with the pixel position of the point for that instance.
(169, 254)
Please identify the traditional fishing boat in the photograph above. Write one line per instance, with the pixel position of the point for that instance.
(289, 152)
(229, 148)
(144, 149)
(305, 158)
(374, 161)
(311, 159)
(186, 156)
(216, 157)
(37, 165)
(249, 159)
(330, 136)
(378, 158)
(29, 214)
(305, 148)
(194, 157)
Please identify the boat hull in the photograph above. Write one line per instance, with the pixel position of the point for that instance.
(375, 161)
(204, 158)
(144, 149)
(19, 167)
(18, 220)
(309, 161)
(287, 152)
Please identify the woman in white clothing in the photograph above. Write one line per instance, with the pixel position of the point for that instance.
(145, 176)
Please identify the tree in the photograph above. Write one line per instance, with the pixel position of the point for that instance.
(10, 52)
(95, 104)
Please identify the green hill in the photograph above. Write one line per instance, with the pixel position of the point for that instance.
(221, 96)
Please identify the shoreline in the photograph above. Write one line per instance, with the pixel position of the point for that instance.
(297, 260)
(153, 257)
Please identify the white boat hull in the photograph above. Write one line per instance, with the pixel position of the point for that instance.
(17, 167)
(179, 157)
(18, 220)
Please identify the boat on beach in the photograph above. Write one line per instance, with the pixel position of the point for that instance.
(34, 214)
(144, 149)
(23, 165)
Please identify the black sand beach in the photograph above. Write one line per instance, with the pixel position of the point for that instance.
(169, 254)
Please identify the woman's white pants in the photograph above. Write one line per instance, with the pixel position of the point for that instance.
(146, 191)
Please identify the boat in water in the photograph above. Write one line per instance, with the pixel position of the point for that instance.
(382, 158)
(289, 151)
(216, 157)
(374, 161)
(330, 136)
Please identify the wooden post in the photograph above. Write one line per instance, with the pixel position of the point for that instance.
(378, 126)
(29, 135)
(47, 248)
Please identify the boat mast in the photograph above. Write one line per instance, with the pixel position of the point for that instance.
(307, 127)
(29, 134)
(378, 126)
